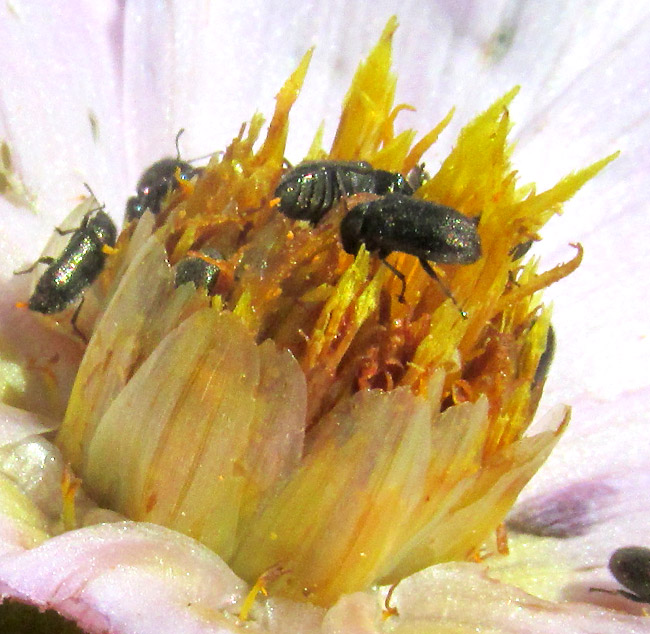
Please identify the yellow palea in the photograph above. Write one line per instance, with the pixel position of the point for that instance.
(302, 419)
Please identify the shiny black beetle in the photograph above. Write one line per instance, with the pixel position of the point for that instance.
(630, 566)
(156, 182)
(76, 268)
(427, 230)
(202, 272)
(311, 189)
(546, 358)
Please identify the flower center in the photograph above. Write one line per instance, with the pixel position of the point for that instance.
(337, 389)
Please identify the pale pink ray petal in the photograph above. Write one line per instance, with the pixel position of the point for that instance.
(543, 47)
(59, 112)
(601, 317)
(606, 324)
(17, 425)
(610, 440)
(205, 66)
(126, 577)
(463, 598)
(590, 498)
(597, 481)
(208, 66)
(570, 565)
(60, 115)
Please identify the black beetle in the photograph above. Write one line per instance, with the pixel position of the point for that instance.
(519, 250)
(76, 268)
(311, 189)
(156, 182)
(630, 566)
(200, 271)
(546, 358)
(427, 230)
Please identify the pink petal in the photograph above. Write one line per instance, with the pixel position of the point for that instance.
(209, 70)
(17, 536)
(58, 70)
(126, 578)
(58, 73)
(462, 598)
(597, 482)
(18, 424)
(601, 317)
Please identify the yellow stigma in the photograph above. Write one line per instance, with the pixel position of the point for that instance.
(303, 418)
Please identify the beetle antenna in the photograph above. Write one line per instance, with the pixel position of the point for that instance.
(178, 150)
(92, 195)
(204, 156)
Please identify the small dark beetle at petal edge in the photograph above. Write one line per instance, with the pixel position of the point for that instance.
(76, 268)
(156, 182)
(546, 358)
(203, 273)
(311, 189)
(630, 566)
(518, 251)
(427, 230)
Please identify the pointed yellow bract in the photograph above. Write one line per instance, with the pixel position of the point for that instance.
(305, 419)
(276, 138)
(368, 104)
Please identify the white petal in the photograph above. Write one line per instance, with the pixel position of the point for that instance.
(462, 598)
(59, 74)
(208, 66)
(601, 315)
(597, 482)
(126, 578)
(18, 424)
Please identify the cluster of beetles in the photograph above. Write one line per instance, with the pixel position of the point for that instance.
(395, 221)
(392, 222)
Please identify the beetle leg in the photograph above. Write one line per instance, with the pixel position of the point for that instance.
(44, 260)
(83, 225)
(623, 593)
(633, 597)
(401, 278)
(432, 274)
(65, 232)
(73, 321)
